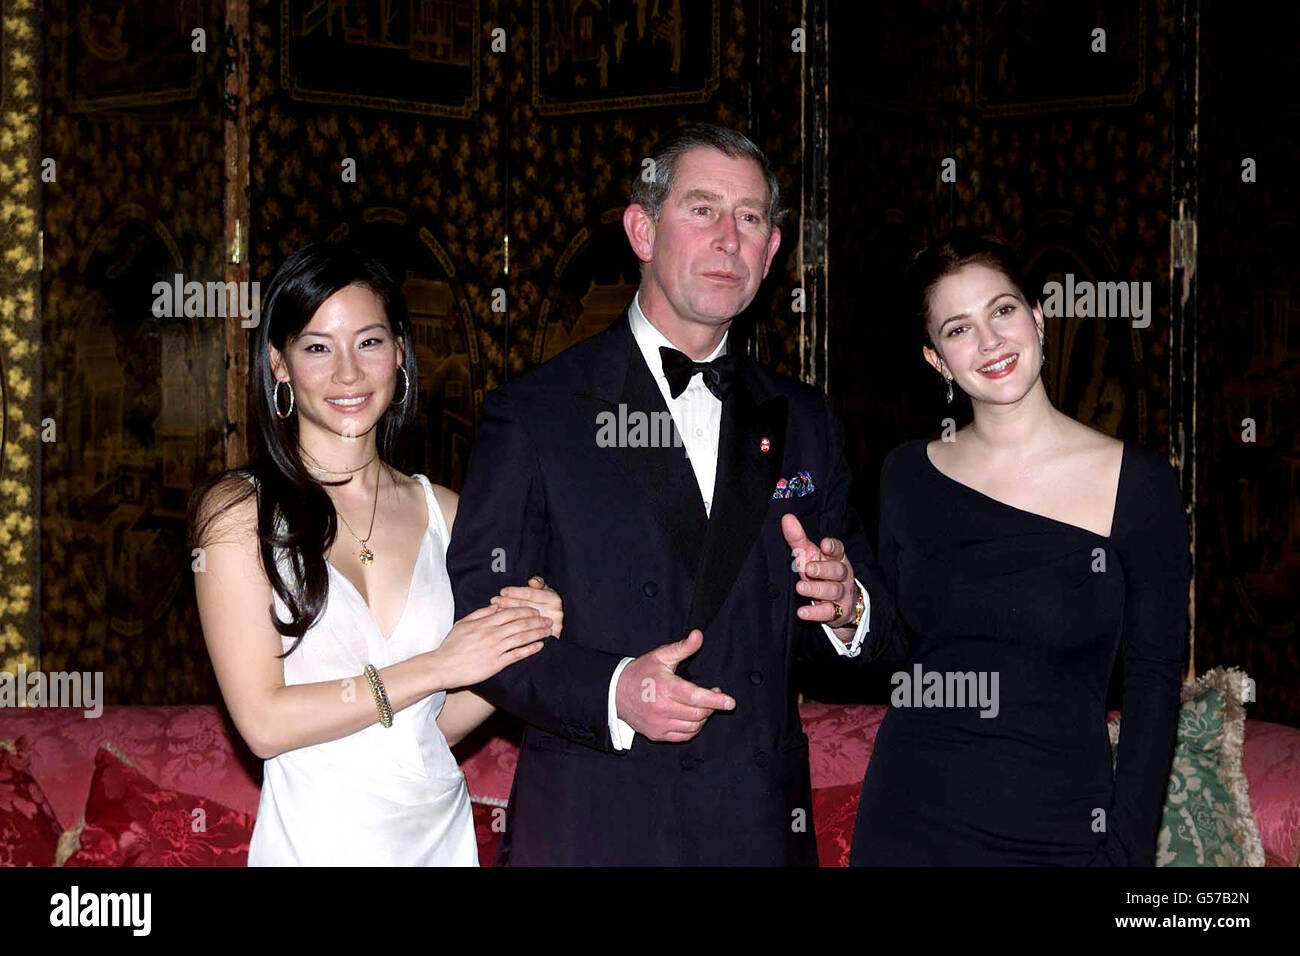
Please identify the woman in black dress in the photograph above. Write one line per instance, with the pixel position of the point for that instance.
(1025, 551)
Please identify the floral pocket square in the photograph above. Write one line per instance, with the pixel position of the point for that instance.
(796, 487)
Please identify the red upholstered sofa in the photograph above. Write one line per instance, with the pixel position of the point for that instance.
(193, 750)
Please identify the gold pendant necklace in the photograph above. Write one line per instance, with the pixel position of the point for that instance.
(365, 554)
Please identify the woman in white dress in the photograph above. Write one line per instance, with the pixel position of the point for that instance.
(323, 591)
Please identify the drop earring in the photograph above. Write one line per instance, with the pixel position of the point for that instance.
(939, 367)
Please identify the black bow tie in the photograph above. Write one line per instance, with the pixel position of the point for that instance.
(678, 369)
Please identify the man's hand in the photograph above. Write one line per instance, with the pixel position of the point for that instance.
(825, 575)
(658, 704)
(536, 595)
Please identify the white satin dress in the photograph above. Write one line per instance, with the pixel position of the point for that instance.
(383, 796)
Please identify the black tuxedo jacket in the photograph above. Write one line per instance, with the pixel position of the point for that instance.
(620, 531)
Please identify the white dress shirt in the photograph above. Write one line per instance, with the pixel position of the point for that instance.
(697, 415)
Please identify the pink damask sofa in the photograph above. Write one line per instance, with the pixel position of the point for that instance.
(130, 770)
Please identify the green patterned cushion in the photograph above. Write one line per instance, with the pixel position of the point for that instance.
(1207, 816)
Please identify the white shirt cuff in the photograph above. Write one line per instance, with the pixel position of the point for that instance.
(620, 732)
(854, 648)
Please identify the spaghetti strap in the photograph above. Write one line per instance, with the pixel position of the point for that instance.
(436, 517)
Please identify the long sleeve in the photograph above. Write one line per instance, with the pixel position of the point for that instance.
(1152, 545)
(887, 551)
(501, 537)
(621, 733)
(885, 636)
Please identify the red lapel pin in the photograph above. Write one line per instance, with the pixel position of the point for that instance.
(765, 445)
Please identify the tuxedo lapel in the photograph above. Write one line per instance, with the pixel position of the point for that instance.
(662, 475)
(742, 495)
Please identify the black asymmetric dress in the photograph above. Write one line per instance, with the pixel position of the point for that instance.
(1039, 610)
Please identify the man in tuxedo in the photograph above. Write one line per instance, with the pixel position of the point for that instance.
(662, 724)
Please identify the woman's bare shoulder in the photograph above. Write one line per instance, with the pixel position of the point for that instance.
(400, 478)
(947, 450)
(445, 497)
(411, 488)
(1094, 449)
(447, 501)
(227, 511)
(1089, 437)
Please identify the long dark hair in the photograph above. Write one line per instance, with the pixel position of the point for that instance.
(284, 487)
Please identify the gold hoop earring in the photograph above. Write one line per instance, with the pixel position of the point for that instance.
(275, 398)
(406, 385)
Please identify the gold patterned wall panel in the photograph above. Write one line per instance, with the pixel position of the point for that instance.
(418, 57)
(494, 142)
(524, 195)
(572, 269)
(592, 56)
(20, 323)
(467, 188)
(1087, 69)
(427, 190)
(1075, 173)
(132, 120)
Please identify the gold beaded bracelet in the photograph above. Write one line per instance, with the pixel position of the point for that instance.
(380, 695)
